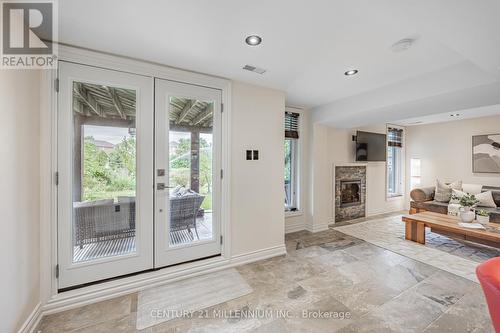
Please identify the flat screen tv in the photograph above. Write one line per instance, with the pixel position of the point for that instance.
(370, 147)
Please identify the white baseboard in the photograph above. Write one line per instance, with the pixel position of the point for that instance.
(317, 227)
(32, 321)
(246, 258)
(107, 290)
(381, 211)
(294, 226)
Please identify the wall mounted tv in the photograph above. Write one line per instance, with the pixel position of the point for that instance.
(370, 147)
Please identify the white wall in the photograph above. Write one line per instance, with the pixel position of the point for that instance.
(334, 146)
(445, 150)
(257, 196)
(19, 198)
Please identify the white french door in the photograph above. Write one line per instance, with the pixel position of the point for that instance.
(187, 176)
(139, 163)
(105, 163)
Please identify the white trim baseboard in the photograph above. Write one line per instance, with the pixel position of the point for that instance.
(32, 321)
(107, 290)
(317, 227)
(254, 256)
(294, 226)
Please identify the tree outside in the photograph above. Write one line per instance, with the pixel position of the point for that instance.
(109, 174)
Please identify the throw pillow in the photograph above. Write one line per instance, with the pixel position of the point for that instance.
(176, 190)
(486, 199)
(458, 194)
(443, 191)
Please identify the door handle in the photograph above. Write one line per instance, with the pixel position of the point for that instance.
(161, 186)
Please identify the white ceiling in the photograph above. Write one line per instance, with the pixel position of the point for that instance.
(308, 45)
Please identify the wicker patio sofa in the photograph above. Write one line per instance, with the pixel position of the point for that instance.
(101, 220)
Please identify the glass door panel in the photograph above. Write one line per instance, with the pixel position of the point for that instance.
(104, 171)
(188, 188)
(190, 170)
(105, 158)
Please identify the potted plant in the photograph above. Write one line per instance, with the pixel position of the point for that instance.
(483, 216)
(467, 202)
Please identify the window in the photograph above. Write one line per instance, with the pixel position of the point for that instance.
(394, 162)
(291, 158)
(414, 172)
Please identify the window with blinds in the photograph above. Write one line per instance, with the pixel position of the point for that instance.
(394, 161)
(395, 137)
(291, 161)
(291, 125)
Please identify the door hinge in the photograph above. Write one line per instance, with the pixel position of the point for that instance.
(56, 178)
(221, 173)
(56, 84)
(57, 271)
(221, 107)
(220, 239)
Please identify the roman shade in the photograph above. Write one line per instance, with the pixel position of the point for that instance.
(395, 137)
(291, 125)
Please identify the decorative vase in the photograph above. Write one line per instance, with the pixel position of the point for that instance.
(466, 214)
(483, 219)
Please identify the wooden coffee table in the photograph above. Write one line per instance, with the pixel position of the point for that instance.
(448, 225)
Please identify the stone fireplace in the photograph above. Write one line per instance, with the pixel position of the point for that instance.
(350, 192)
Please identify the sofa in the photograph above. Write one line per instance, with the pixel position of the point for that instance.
(422, 199)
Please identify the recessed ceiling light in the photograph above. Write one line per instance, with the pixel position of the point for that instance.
(455, 115)
(253, 40)
(351, 72)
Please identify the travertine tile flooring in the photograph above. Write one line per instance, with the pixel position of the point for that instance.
(324, 273)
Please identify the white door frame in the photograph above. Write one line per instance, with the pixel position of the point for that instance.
(71, 273)
(51, 300)
(166, 255)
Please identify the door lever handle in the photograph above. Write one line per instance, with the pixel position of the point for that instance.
(161, 186)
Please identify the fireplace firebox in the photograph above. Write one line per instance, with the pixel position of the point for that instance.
(350, 193)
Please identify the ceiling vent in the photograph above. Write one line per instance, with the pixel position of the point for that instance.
(254, 69)
(403, 45)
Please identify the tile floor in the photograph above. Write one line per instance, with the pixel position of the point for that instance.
(365, 288)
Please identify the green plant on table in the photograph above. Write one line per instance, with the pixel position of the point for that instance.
(482, 212)
(467, 200)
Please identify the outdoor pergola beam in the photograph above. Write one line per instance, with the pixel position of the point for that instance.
(116, 102)
(187, 128)
(188, 107)
(87, 99)
(202, 116)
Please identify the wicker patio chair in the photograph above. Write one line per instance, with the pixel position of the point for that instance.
(183, 212)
